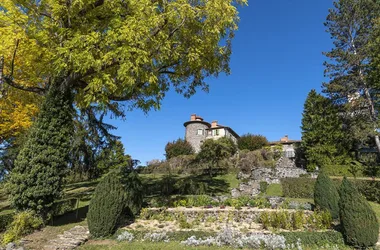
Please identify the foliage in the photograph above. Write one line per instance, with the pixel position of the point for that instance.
(80, 43)
(274, 190)
(319, 239)
(36, 181)
(213, 151)
(298, 187)
(263, 187)
(326, 196)
(350, 24)
(258, 158)
(252, 142)
(23, 223)
(191, 186)
(360, 226)
(134, 191)
(231, 237)
(5, 220)
(177, 148)
(339, 170)
(64, 206)
(125, 236)
(324, 142)
(296, 220)
(106, 206)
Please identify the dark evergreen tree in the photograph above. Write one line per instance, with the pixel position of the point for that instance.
(324, 140)
(326, 196)
(252, 142)
(350, 24)
(177, 148)
(106, 206)
(359, 223)
(36, 180)
(113, 158)
(134, 192)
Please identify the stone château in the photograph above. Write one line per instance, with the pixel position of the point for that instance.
(198, 130)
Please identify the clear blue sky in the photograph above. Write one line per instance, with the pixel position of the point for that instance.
(277, 59)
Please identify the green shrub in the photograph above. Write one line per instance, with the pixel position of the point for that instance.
(134, 192)
(177, 148)
(326, 196)
(64, 206)
(252, 142)
(23, 224)
(359, 223)
(298, 187)
(263, 187)
(36, 180)
(370, 189)
(5, 221)
(106, 206)
(319, 239)
(191, 186)
(295, 221)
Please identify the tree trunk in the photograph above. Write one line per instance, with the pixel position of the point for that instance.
(377, 140)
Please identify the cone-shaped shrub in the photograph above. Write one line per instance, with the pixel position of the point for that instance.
(326, 195)
(106, 206)
(37, 179)
(359, 223)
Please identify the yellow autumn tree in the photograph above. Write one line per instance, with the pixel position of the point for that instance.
(109, 51)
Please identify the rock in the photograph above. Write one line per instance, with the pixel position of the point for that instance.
(10, 246)
(275, 202)
(69, 239)
(235, 193)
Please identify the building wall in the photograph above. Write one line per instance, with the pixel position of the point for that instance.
(192, 136)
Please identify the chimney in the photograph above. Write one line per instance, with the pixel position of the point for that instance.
(285, 138)
(214, 124)
(193, 117)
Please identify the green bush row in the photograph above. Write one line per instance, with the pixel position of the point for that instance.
(295, 221)
(319, 239)
(304, 188)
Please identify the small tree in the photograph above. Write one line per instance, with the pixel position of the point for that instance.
(359, 222)
(213, 151)
(37, 179)
(178, 147)
(106, 206)
(252, 142)
(326, 196)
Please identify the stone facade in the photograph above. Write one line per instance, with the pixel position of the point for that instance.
(197, 131)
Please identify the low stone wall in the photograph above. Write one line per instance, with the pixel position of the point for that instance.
(273, 175)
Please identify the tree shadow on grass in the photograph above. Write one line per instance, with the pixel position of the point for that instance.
(70, 217)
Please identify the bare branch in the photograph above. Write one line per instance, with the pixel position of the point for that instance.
(13, 58)
(1, 76)
(13, 84)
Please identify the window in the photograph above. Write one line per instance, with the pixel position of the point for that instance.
(200, 132)
(215, 132)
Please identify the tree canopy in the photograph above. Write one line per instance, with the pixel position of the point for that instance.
(110, 51)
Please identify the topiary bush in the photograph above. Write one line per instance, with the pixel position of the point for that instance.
(359, 223)
(298, 187)
(177, 148)
(326, 196)
(106, 206)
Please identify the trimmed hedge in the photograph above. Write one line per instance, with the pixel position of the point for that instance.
(326, 196)
(359, 223)
(304, 188)
(298, 187)
(319, 239)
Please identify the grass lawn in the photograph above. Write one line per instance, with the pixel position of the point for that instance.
(274, 190)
